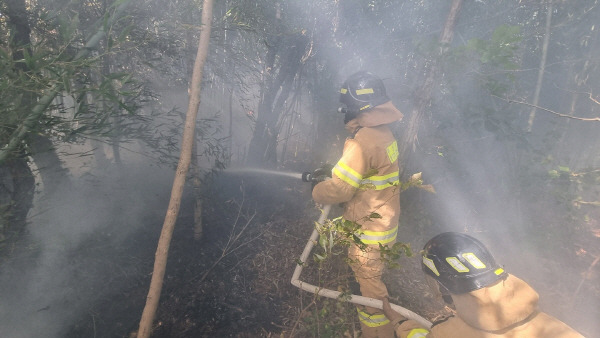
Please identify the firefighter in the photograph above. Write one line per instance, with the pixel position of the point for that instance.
(489, 302)
(366, 180)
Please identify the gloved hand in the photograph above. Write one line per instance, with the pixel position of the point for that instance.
(393, 316)
(323, 172)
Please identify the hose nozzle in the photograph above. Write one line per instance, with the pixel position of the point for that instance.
(307, 177)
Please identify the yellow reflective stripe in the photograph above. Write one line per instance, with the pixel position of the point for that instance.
(372, 320)
(431, 265)
(343, 90)
(456, 264)
(365, 107)
(474, 260)
(418, 333)
(352, 177)
(364, 91)
(375, 237)
(382, 182)
(347, 174)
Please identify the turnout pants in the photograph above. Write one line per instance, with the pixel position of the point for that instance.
(368, 269)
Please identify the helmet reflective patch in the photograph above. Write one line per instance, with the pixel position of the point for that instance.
(365, 107)
(473, 260)
(429, 263)
(499, 271)
(364, 91)
(456, 264)
(343, 90)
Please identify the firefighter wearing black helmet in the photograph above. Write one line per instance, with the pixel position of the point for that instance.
(489, 302)
(366, 180)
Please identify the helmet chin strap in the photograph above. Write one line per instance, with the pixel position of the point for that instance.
(349, 117)
(446, 296)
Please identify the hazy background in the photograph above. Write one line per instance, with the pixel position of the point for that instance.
(532, 196)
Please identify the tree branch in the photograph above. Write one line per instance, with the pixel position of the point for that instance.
(548, 110)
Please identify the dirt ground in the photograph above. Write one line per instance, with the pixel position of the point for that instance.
(235, 281)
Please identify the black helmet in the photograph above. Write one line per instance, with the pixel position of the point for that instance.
(460, 263)
(362, 91)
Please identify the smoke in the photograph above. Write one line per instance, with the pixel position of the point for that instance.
(79, 248)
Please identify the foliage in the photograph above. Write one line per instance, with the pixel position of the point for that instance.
(331, 318)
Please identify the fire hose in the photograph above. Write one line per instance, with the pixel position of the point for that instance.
(320, 291)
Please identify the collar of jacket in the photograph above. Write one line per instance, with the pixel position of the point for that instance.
(498, 306)
(384, 113)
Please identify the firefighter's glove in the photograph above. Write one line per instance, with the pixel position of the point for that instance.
(323, 172)
(393, 316)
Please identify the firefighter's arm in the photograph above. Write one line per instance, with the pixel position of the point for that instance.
(347, 175)
(404, 328)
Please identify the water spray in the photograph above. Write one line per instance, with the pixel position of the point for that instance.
(264, 171)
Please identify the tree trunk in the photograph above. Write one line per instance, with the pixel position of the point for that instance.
(17, 184)
(538, 85)
(264, 140)
(16, 196)
(423, 99)
(197, 185)
(162, 250)
(54, 176)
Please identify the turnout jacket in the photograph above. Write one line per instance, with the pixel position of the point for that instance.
(366, 177)
(505, 309)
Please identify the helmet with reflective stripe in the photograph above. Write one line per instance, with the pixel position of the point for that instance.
(460, 263)
(362, 91)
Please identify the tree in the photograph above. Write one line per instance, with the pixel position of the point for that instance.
(423, 100)
(162, 249)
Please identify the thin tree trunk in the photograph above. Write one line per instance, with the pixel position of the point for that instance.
(99, 154)
(423, 100)
(196, 183)
(274, 93)
(230, 132)
(538, 86)
(53, 174)
(162, 250)
(17, 184)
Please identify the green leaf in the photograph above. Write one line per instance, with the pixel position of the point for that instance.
(564, 169)
(323, 242)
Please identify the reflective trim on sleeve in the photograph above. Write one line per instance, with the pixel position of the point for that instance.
(343, 90)
(347, 174)
(375, 237)
(352, 177)
(372, 320)
(418, 333)
(382, 182)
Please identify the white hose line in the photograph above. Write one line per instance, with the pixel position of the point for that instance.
(366, 301)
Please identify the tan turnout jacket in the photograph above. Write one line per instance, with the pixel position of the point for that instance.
(505, 309)
(366, 177)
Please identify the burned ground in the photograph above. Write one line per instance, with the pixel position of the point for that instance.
(235, 281)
